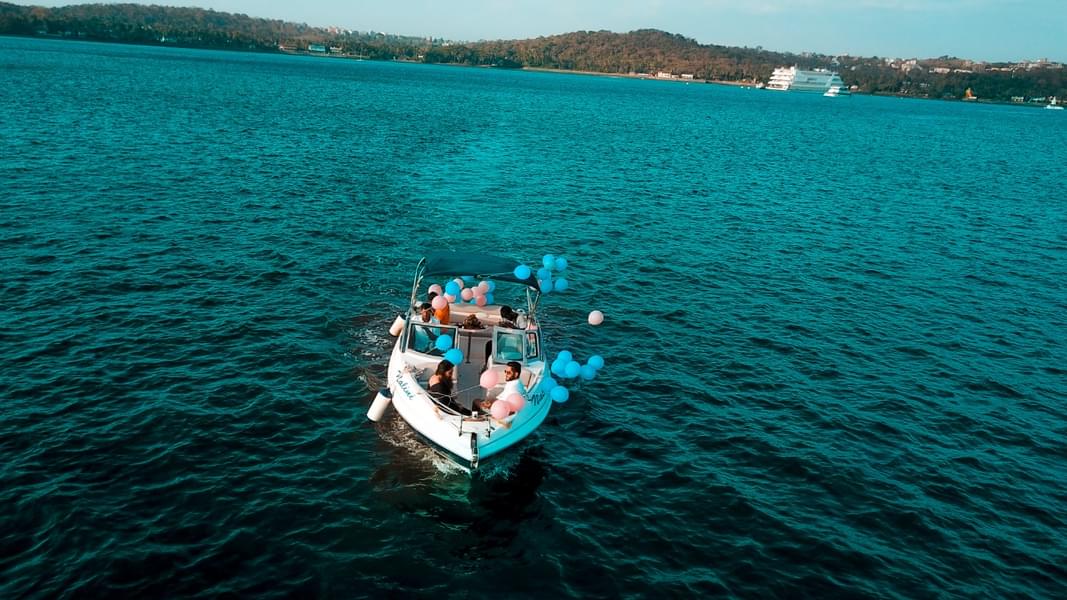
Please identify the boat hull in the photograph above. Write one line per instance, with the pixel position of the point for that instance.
(467, 441)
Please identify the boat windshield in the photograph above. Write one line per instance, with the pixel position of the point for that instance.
(514, 344)
(533, 350)
(422, 337)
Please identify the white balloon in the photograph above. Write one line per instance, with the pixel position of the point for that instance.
(596, 317)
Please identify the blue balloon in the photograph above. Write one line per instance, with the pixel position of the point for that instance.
(452, 288)
(572, 369)
(492, 285)
(548, 261)
(522, 272)
(546, 286)
(564, 356)
(548, 384)
(558, 368)
(588, 372)
(454, 356)
(561, 284)
(544, 273)
(561, 263)
(597, 361)
(489, 298)
(443, 343)
(560, 394)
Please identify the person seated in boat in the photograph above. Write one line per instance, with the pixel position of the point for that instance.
(508, 317)
(442, 314)
(440, 387)
(512, 385)
(423, 342)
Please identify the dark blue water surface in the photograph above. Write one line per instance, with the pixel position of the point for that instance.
(835, 335)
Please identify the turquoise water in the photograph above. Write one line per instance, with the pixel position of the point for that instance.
(834, 337)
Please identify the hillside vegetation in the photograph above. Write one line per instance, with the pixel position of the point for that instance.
(645, 51)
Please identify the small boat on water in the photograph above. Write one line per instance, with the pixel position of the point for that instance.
(798, 80)
(1053, 104)
(482, 343)
(835, 91)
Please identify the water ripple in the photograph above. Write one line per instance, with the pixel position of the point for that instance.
(828, 373)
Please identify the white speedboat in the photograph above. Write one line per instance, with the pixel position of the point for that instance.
(835, 91)
(1053, 104)
(468, 438)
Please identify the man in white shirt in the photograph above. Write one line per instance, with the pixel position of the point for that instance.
(512, 385)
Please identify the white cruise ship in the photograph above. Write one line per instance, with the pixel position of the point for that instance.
(796, 80)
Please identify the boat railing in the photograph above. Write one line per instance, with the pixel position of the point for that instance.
(444, 407)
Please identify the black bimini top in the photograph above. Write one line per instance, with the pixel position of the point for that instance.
(483, 266)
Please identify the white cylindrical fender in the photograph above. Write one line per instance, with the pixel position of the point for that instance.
(381, 402)
(397, 326)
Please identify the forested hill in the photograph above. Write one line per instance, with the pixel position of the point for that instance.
(189, 27)
(645, 51)
(651, 51)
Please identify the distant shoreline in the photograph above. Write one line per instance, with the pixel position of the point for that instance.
(657, 54)
(639, 76)
(749, 84)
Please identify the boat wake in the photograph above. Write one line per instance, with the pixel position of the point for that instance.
(369, 339)
(412, 453)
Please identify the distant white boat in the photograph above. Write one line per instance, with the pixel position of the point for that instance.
(1053, 104)
(835, 91)
(796, 80)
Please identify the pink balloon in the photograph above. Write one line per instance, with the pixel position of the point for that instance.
(435, 288)
(480, 300)
(466, 294)
(450, 297)
(499, 409)
(596, 317)
(477, 291)
(516, 401)
(484, 287)
(439, 302)
(489, 379)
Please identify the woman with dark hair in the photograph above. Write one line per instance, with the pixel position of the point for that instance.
(440, 387)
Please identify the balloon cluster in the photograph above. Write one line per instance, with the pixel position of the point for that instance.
(566, 367)
(444, 344)
(457, 290)
(549, 279)
(546, 281)
(503, 406)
